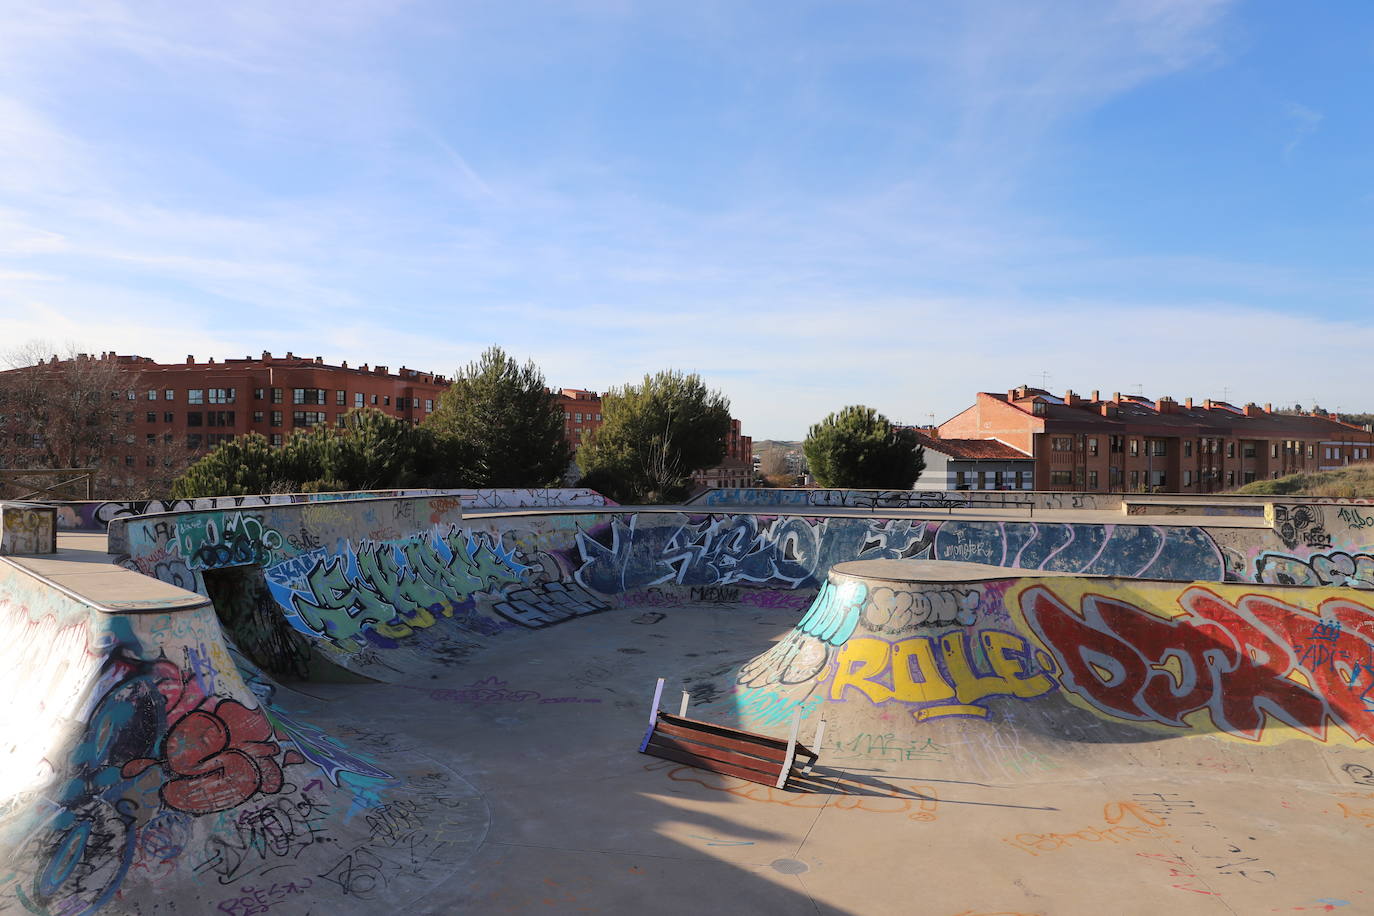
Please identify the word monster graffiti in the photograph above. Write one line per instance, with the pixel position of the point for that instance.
(1246, 663)
(384, 591)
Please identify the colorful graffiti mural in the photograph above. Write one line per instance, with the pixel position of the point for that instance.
(391, 588)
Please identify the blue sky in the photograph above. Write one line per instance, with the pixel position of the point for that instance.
(811, 204)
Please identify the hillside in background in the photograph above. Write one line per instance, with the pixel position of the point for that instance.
(1355, 480)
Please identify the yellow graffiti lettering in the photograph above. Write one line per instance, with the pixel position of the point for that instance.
(870, 658)
(1001, 649)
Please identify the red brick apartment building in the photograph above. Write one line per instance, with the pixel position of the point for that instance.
(582, 414)
(1133, 444)
(195, 405)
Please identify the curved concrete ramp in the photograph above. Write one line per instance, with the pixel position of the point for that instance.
(143, 774)
(920, 646)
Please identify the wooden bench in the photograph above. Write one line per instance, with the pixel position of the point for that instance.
(729, 751)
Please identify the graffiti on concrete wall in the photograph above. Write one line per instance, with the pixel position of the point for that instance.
(390, 588)
(213, 540)
(1334, 568)
(1301, 524)
(96, 516)
(26, 529)
(1250, 665)
(902, 499)
(638, 551)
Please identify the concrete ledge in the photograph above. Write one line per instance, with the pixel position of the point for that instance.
(27, 528)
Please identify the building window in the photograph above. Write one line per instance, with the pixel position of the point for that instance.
(374, 400)
(258, 393)
(1188, 449)
(577, 418)
(1135, 480)
(1061, 478)
(1114, 443)
(195, 396)
(129, 417)
(1187, 478)
(1159, 481)
(257, 416)
(1311, 451)
(150, 439)
(129, 461)
(386, 401)
(1248, 451)
(169, 395)
(1230, 478)
(168, 417)
(193, 440)
(1092, 480)
(1273, 450)
(219, 418)
(598, 418)
(1114, 478)
(222, 395)
(1230, 450)
(166, 438)
(132, 395)
(1159, 447)
(308, 396)
(1092, 445)
(339, 420)
(276, 395)
(152, 416)
(194, 418)
(1057, 443)
(1135, 449)
(276, 418)
(960, 480)
(340, 398)
(152, 394)
(308, 418)
(429, 405)
(358, 399)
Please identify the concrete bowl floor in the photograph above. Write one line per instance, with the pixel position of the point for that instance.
(967, 818)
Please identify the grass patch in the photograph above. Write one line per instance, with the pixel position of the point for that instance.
(1352, 481)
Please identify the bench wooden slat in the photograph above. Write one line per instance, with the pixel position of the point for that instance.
(764, 767)
(724, 731)
(713, 766)
(731, 743)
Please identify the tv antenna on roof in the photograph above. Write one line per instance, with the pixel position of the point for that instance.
(1226, 394)
(1044, 379)
(1140, 389)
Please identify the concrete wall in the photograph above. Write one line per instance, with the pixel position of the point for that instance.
(138, 766)
(903, 499)
(96, 515)
(1097, 658)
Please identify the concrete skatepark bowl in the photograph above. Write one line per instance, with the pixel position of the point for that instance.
(412, 703)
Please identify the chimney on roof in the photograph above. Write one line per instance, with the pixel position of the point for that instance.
(1166, 404)
(363, 367)
(290, 355)
(190, 360)
(380, 370)
(1116, 397)
(933, 431)
(344, 365)
(1253, 410)
(319, 360)
(1189, 402)
(1095, 397)
(266, 355)
(1268, 408)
